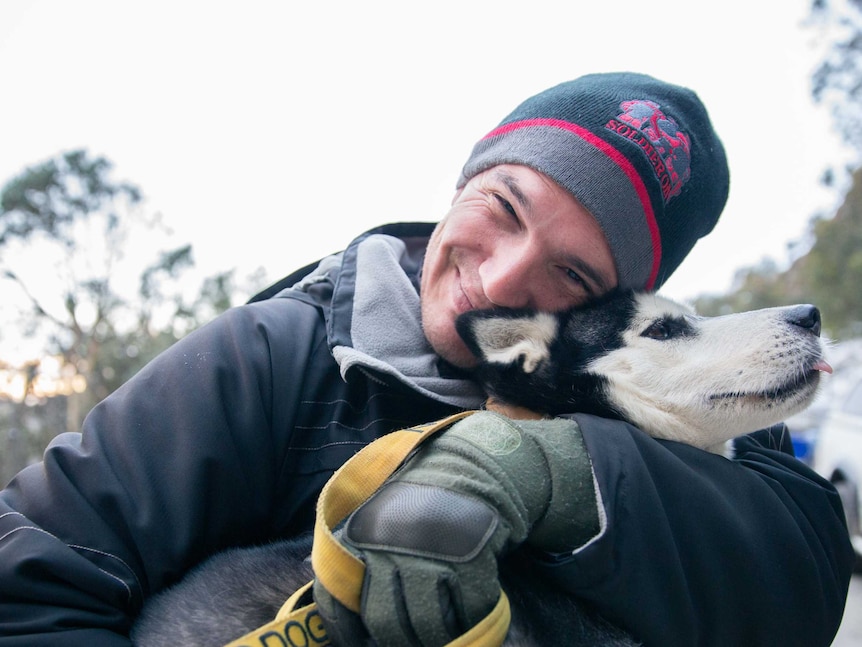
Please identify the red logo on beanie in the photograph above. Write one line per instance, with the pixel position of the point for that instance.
(666, 146)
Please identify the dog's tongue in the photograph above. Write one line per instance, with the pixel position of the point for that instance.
(822, 365)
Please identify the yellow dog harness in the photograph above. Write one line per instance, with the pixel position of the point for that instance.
(298, 622)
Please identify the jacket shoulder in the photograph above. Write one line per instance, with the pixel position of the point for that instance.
(402, 230)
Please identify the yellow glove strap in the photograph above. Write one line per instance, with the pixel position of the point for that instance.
(339, 570)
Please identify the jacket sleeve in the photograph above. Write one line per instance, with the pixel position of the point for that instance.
(700, 550)
(176, 464)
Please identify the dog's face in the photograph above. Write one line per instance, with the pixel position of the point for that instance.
(653, 362)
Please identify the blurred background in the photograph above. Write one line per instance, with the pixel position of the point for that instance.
(162, 161)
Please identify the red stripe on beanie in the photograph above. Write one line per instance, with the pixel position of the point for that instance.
(617, 158)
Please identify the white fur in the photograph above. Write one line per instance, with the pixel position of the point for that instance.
(707, 388)
(502, 343)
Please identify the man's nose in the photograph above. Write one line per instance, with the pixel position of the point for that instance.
(506, 280)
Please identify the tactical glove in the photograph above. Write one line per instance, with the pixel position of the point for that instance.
(432, 534)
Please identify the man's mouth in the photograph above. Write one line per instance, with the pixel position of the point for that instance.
(463, 302)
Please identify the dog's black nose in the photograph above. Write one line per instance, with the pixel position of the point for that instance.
(805, 316)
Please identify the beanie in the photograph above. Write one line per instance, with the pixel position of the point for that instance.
(638, 153)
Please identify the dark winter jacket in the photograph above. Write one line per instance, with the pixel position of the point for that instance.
(227, 438)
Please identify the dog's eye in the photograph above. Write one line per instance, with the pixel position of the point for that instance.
(669, 328)
(658, 330)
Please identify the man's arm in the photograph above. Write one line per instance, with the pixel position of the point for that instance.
(752, 551)
(176, 464)
(688, 548)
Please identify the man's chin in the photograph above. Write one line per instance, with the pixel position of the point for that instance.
(463, 360)
(451, 347)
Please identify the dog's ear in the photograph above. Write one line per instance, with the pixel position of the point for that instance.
(502, 336)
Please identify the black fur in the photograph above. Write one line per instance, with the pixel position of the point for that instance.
(235, 592)
(558, 386)
(232, 593)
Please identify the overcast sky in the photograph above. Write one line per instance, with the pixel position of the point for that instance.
(271, 133)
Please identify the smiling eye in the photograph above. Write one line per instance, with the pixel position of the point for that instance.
(507, 206)
(577, 278)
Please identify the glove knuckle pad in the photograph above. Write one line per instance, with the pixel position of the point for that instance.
(422, 520)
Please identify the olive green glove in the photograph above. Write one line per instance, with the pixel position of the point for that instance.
(431, 536)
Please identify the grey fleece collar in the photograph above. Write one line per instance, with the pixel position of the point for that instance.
(385, 329)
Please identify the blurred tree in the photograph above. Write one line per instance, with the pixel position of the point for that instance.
(829, 275)
(760, 286)
(65, 231)
(832, 269)
(837, 80)
(828, 272)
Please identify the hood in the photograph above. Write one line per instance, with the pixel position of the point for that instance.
(374, 319)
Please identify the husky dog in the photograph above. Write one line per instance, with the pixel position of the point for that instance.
(633, 356)
(650, 361)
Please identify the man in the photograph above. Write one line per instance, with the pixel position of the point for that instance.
(227, 438)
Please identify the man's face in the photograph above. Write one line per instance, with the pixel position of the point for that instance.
(512, 238)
